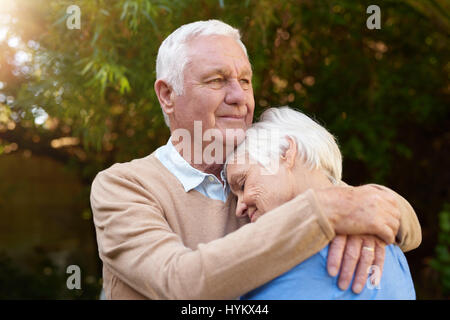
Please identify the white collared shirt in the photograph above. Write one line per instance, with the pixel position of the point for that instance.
(191, 178)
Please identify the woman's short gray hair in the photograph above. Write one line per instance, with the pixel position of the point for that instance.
(267, 140)
(172, 54)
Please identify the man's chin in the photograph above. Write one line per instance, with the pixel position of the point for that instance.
(233, 136)
(238, 134)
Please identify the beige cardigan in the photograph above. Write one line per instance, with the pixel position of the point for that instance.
(157, 241)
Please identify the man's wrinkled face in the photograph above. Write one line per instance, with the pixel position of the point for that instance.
(217, 87)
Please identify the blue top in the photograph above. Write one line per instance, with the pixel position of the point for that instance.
(191, 178)
(310, 281)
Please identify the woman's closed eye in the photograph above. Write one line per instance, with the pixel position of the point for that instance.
(241, 184)
(237, 186)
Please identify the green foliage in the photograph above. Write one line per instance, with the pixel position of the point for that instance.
(316, 56)
(441, 262)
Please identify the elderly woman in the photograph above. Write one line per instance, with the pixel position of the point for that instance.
(283, 155)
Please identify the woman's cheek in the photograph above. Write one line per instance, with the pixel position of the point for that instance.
(251, 195)
(263, 200)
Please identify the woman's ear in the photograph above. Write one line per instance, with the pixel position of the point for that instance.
(290, 154)
(165, 95)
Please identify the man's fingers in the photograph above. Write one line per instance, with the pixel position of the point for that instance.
(350, 260)
(380, 253)
(335, 254)
(365, 262)
(385, 233)
(394, 224)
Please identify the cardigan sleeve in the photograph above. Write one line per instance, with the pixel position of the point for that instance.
(409, 235)
(137, 244)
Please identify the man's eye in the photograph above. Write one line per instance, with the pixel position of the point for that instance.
(242, 186)
(216, 83)
(245, 83)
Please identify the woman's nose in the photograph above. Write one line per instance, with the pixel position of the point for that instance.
(241, 209)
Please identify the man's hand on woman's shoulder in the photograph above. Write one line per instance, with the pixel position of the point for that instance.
(365, 219)
(355, 255)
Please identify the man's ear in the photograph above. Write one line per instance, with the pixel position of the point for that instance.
(290, 154)
(165, 95)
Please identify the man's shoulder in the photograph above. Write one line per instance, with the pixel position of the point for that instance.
(147, 165)
(144, 176)
(146, 168)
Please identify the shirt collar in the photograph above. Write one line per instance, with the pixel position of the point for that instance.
(189, 177)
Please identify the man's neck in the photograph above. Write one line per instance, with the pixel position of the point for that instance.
(211, 168)
(214, 169)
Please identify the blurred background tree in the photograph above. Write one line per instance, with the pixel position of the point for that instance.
(73, 102)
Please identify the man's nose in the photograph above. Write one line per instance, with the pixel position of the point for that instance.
(241, 209)
(235, 94)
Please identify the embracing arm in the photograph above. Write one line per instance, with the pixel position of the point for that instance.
(137, 244)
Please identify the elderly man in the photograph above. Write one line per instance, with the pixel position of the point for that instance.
(166, 225)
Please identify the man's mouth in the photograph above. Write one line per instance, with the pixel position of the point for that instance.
(233, 117)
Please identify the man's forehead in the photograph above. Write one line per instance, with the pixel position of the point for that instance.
(212, 66)
(217, 53)
(218, 68)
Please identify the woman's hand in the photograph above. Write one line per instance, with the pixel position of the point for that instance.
(359, 252)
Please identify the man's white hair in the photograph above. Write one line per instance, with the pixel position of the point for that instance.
(172, 54)
(267, 140)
